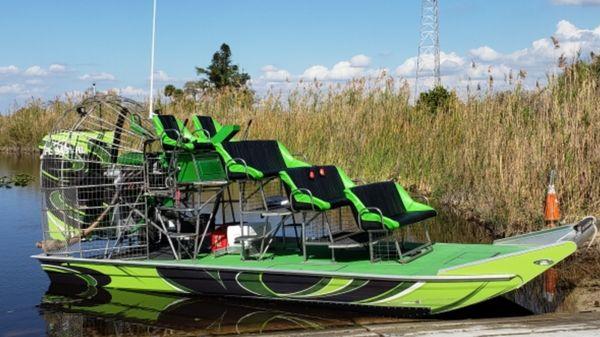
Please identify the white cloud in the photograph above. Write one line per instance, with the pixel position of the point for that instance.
(162, 76)
(341, 71)
(130, 91)
(98, 77)
(274, 74)
(57, 68)
(567, 30)
(317, 72)
(407, 68)
(537, 61)
(376, 73)
(11, 69)
(485, 53)
(344, 71)
(35, 71)
(34, 81)
(12, 89)
(577, 2)
(472, 69)
(449, 63)
(360, 60)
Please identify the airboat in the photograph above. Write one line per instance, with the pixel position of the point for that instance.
(165, 206)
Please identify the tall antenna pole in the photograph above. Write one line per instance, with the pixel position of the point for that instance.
(428, 58)
(150, 108)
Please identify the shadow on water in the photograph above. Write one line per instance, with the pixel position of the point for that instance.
(82, 312)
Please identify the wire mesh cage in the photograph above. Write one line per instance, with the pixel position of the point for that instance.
(403, 244)
(92, 177)
(261, 196)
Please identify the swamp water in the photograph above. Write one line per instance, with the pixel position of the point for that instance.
(30, 306)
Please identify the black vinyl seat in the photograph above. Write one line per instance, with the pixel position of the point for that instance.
(174, 134)
(319, 189)
(207, 123)
(256, 159)
(325, 184)
(396, 206)
(262, 155)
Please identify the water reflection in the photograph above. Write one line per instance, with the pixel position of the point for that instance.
(532, 297)
(94, 311)
(99, 312)
(27, 164)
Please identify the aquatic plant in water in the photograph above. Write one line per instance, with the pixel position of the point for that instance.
(19, 180)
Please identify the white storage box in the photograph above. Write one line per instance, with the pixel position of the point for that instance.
(235, 231)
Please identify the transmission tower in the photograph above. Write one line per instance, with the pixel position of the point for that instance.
(428, 58)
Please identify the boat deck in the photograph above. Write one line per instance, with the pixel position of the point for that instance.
(443, 255)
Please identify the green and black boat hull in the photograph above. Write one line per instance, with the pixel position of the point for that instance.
(383, 286)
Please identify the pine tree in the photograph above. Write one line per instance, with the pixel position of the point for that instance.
(221, 73)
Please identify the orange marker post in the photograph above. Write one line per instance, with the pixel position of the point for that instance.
(551, 207)
(551, 218)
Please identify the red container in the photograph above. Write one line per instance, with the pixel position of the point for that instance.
(219, 239)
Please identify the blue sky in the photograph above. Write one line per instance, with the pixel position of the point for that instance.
(52, 47)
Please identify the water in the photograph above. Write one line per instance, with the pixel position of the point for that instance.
(22, 283)
(29, 306)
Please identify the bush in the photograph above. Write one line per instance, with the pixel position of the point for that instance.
(437, 99)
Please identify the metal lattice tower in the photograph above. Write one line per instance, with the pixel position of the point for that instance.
(428, 59)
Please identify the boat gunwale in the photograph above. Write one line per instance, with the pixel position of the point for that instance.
(386, 277)
(507, 255)
(541, 233)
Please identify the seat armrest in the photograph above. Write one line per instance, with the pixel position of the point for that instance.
(238, 161)
(371, 210)
(304, 191)
(204, 133)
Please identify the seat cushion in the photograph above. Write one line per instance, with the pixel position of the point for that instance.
(203, 146)
(413, 217)
(262, 155)
(338, 202)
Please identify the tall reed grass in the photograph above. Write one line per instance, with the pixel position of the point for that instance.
(484, 159)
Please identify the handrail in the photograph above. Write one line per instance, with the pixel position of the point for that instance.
(305, 191)
(371, 209)
(206, 133)
(243, 162)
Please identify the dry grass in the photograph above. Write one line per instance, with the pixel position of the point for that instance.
(485, 159)
(22, 130)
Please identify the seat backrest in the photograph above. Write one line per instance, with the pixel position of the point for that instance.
(324, 182)
(207, 123)
(383, 195)
(169, 124)
(262, 155)
(208, 129)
